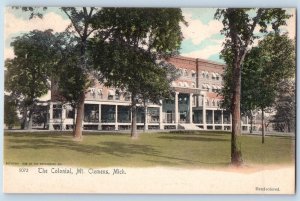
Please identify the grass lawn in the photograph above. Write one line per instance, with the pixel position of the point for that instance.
(177, 149)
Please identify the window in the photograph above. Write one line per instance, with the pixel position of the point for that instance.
(57, 110)
(111, 94)
(92, 92)
(193, 85)
(213, 103)
(207, 76)
(127, 98)
(207, 102)
(186, 73)
(99, 93)
(117, 95)
(193, 73)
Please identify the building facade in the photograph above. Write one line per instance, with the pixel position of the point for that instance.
(196, 104)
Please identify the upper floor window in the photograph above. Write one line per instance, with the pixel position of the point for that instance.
(99, 93)
(193, 73)
(207, 102)
(111, 94)
(117, 95)
(92, 92)
(213, 103)
(186, 73)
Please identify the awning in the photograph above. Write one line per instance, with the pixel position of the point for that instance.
(208, 86)
(193, 71)
(214, 75)
(214, 87)
(174, 84)
(111, 92)
(180, 84)
(185, 84)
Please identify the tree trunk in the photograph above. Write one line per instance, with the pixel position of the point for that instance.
(262, 126)
(79, 118)
(251, 123)
(74, 120)
(24, 121)
(236, 155)
(134, 133)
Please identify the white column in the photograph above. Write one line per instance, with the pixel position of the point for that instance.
(63, 116)
(99, 125)
(204, 112)
(146, 118)
(247, 123)
(161, 116)
(50, 120)
(222, 119)
(213, 119)
(191, 108)
(116, 118)
(176, 108)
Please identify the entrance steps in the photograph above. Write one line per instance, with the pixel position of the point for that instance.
(188, 127)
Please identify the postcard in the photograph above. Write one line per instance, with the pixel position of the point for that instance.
(149, 100)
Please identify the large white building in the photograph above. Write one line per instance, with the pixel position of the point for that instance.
(195, 105)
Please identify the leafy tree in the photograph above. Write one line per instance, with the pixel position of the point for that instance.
(285, 106)
(265, 66)
(27, 76)
(10, 112)
(127, 59)
(81, 20)
(239, 26)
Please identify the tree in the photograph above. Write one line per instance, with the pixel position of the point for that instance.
(28, 73)
(265, 66)
(10, 112)
(239, 26)
(285, 106)
(81, 20)
(128, 58)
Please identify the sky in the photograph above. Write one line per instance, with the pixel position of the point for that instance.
(202, 38)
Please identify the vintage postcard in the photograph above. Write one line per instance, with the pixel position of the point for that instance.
(149, 100)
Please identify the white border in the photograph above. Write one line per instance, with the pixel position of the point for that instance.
(139, 3)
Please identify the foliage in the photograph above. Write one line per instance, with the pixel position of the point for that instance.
(128, 57)
(10, 112)
(238, 28)
(285, 106)
(28, 74)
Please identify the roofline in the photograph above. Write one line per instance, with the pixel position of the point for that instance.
(199, 59)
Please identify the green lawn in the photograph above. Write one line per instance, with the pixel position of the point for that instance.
(188, 149)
